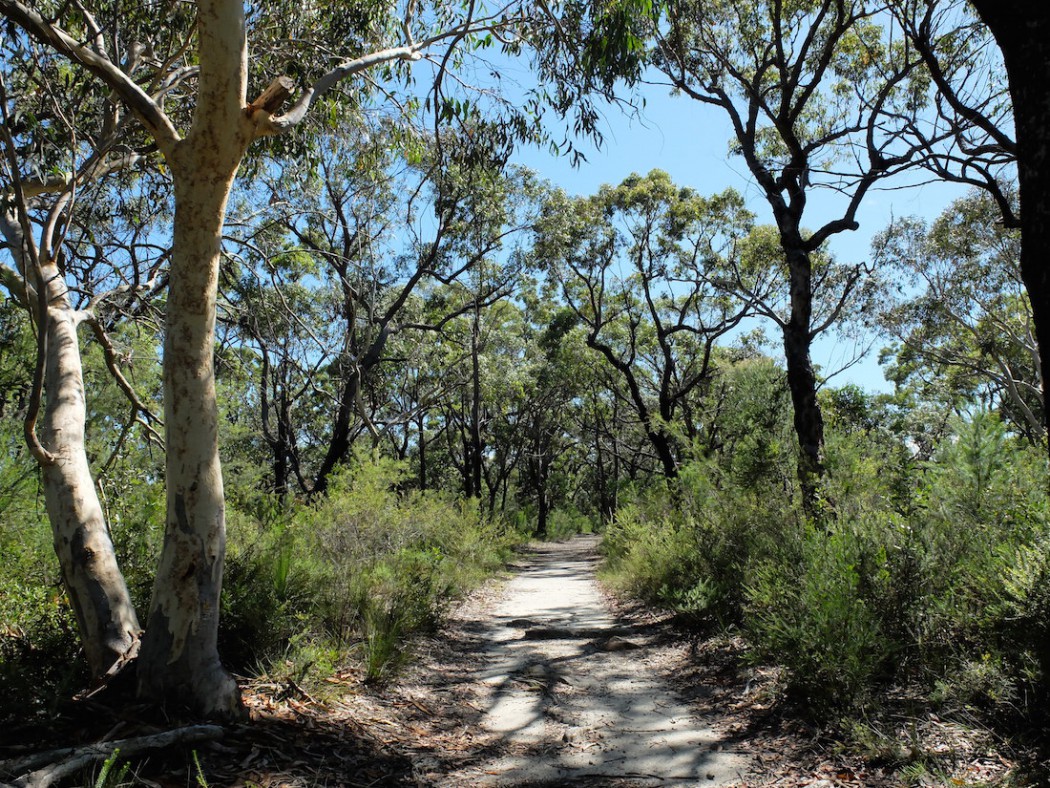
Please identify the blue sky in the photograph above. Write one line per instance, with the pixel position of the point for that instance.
(691, 142)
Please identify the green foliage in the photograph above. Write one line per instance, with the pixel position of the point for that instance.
(656, 560)
(385, 564)
(693, 558)
(38, 642)
(39, 663)
(934, 573)
(818, 619)
(966, 315)
(110, 775)
(363, 569)
(268, 587)
(567, 521)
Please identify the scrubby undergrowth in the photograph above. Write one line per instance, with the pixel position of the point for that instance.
(309, 587)
(923, 579)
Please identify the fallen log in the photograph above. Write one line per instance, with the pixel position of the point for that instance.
(46, 768)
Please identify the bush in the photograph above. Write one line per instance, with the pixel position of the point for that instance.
(39, 645)
(817, 619)
(386, 564)
(566, 522)
(932, 573)
(690, 549)
(269, 586)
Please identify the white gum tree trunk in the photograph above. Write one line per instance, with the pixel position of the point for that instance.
(97, 591)
(179, 660)
(105, 616)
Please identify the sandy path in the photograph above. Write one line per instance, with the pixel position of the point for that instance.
(566, 697)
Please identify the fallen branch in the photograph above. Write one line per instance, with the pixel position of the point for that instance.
(53, 765)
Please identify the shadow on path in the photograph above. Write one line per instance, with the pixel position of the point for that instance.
(571, 697)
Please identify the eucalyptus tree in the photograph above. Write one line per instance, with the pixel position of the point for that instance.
(500, 396)
(965, 328)
(1022, 31)
(600, 425)
(966, 131)
(136, 54)
(74, 263)
(314, 270)
(989, 68)
(641, 265)
(415, 383)
(552, 374)
(272, 304)
(807, 86)
(483, 373)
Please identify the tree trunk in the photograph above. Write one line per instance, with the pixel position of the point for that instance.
(664, 452)
(421, 426)
(180, 660)
(342, 427)
(539, 465)
(615, 497)
(476, 446)
(809, 422)
(282, 452)
(109, 628)
(1022, 31)
(339, 444)
(659, 439)
(802, 380)
(600, 482)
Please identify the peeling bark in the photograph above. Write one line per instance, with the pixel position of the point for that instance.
(179, 661)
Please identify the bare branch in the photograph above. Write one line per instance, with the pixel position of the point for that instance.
(147, 110)
(26, 252)
(110, 354)
(410, 52)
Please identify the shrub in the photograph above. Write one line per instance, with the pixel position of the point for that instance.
(567, 521)
(269, 587)
(387, 563)
(363, 568)
(816, 619)
(690, 549)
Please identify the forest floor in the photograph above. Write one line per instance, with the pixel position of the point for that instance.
(547, 680)
(543, 679)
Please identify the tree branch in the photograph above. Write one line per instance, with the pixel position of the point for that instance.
(52, 766)
(147, 110)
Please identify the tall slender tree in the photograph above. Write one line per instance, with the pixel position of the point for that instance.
(179, 660)
(807, 88)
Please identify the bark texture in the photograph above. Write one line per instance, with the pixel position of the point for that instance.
(97, 592)
(106, 618)
(1022, 30)
(802, 380)
(179, 662)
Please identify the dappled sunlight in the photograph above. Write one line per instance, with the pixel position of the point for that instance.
(572, 695)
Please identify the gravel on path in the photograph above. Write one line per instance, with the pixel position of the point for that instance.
(565, 695)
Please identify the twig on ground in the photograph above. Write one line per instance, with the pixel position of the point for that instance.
(53, 765)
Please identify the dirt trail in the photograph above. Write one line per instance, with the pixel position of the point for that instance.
(565, 696)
